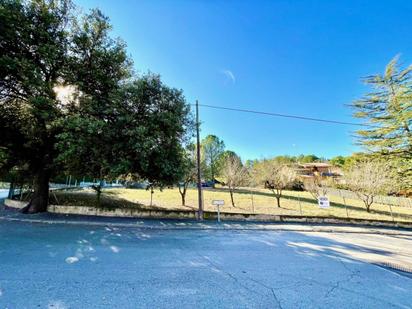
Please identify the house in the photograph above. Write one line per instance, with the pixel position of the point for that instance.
(309, 170)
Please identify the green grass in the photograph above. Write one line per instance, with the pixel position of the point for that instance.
(88, 198)
(258, 201)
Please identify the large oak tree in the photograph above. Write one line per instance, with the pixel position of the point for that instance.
(69, 101)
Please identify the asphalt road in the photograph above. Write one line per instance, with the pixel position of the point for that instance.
(76, 266)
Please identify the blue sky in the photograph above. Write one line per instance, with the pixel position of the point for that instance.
(294, 57)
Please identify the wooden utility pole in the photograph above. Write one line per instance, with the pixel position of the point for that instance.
(199, 178)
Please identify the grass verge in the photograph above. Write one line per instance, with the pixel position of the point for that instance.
(247, 201)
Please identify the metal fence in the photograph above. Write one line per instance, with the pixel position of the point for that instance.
(380, 199)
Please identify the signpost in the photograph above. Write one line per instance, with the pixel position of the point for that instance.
(218, 203)
(323, 202)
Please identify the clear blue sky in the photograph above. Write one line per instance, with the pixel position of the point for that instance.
(294, 57)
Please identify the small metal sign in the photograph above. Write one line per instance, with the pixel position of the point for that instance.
(323, 202)
(218, 203)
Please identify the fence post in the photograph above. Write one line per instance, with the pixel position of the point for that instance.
(21, 192)
(253, 204)
(390, 208)
(11, 191)
(388, 202)
(344, 203)
(55, 197)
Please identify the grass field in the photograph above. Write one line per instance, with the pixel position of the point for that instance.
(262, 202)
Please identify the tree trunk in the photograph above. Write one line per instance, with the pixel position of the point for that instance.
(231, 198)
(98, 189)
(98, 195)
(368, 203)
(40, 198)
(182, 192)
(278, 200)
(212, 173)
(99, 192)
(11, 190)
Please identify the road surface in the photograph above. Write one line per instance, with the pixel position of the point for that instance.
(77, 266)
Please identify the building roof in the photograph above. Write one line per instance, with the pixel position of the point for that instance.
(316, 164)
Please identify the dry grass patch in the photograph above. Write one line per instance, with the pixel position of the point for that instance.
(248, 201)
(261, 201)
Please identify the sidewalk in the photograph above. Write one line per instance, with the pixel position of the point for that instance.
(49, 218)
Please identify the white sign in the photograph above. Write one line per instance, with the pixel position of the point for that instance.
(323, 202)
(218, 202)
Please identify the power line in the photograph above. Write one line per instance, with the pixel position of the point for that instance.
(284, 115)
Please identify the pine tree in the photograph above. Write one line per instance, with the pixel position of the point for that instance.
(387, 112)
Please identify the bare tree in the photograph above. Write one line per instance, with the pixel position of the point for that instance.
(368, 179)
(275, 176)
(317, 186)
(234, 174)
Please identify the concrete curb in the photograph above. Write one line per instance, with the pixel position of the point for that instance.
(233, 226)
(400, 269)
(211, 217)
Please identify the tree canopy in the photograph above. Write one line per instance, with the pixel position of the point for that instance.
(69, 101)
(212, 148)
(387, 112)
(275, 176)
